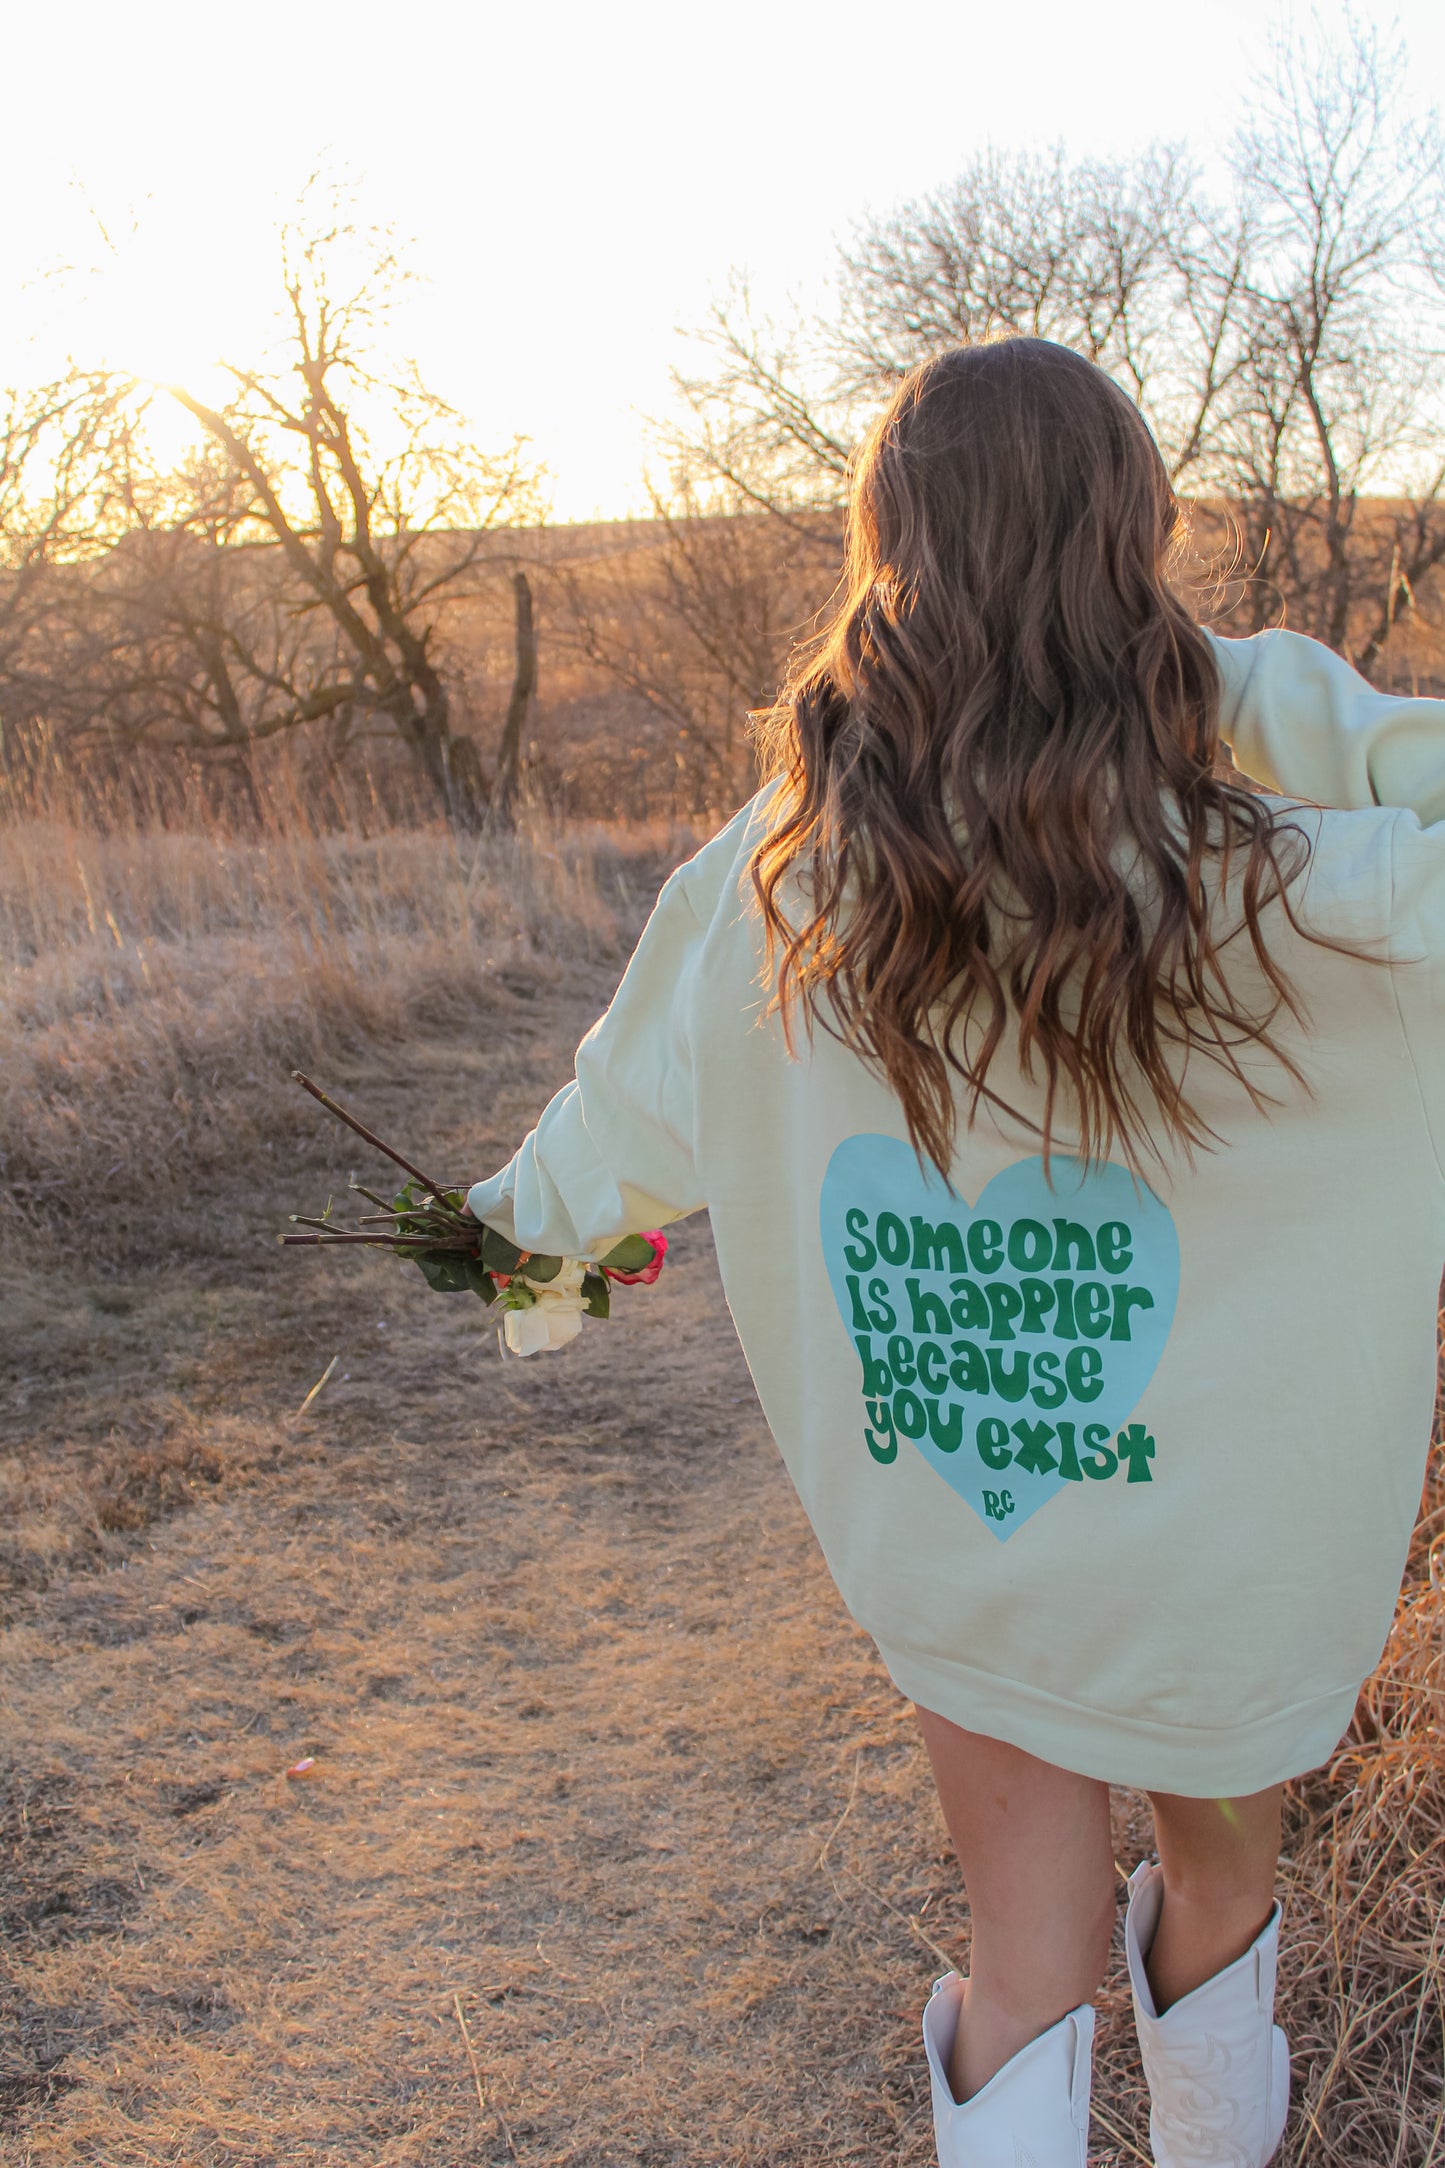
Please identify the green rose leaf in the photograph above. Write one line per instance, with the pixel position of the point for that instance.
(632, 1254)
(596, 1295)
(479, 1280)
(542, 1269)
(445, 1275)
(498, 1254)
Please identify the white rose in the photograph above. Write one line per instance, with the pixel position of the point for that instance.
(553, 1319)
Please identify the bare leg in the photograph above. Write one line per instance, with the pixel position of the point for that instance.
(1219, 1858)
(1038, 1865)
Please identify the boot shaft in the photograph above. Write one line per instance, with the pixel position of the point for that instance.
(1217, 2064)
(1034, 2113)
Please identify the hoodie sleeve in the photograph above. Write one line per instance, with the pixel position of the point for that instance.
(1417, 956)
(1302, 721)
(613, 1153)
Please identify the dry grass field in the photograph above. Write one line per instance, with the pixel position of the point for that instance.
(615, 1846)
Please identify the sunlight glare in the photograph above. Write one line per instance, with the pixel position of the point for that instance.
(158, 309)
(561, 264)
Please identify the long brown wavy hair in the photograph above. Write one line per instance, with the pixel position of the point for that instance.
(1001, 785)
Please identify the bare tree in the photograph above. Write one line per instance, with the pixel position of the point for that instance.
(1284, 343)
(694, 622)
(189, 631)
(1125, 261)
(296, 571)
(519, 705)
(66, 459)
(379, 527)
(1332, 454)
(774, 418)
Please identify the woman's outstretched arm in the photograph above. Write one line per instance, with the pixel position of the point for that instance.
(1303, 722)
(1300, 719)
(613, 1152)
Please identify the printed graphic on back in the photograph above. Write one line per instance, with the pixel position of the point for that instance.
(1008, 1341)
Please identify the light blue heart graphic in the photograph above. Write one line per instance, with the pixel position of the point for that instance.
(1008, 1342)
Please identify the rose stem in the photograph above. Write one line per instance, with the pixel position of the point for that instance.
(362, 1131)
(386, 1242)
(362, 1191)
(456, 1245)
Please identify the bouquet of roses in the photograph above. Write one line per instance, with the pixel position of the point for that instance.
(542, 1300)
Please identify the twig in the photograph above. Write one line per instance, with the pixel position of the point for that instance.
(471, 2054)
(345, 1234)
(369, 1135)
(910, 1920)
(502, 2122)
(316, 1387)
(1119, 2137)
(852, 1795)
(372, 1196)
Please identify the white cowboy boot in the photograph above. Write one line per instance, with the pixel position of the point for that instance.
(1217, 2064)
(1034, 2113)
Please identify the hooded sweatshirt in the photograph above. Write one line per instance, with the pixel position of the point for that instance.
(1120, 1470)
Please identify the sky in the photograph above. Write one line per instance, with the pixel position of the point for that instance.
(574, 184)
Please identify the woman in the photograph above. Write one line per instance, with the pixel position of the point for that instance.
(1068, 1114)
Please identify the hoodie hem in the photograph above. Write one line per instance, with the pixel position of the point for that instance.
(1196, 1761)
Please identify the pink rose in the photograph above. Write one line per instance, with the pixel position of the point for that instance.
(649, 1272)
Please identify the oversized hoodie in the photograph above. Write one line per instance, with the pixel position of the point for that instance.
(1122, 1472)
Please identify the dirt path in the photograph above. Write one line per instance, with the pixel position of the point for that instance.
(606, 1791)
